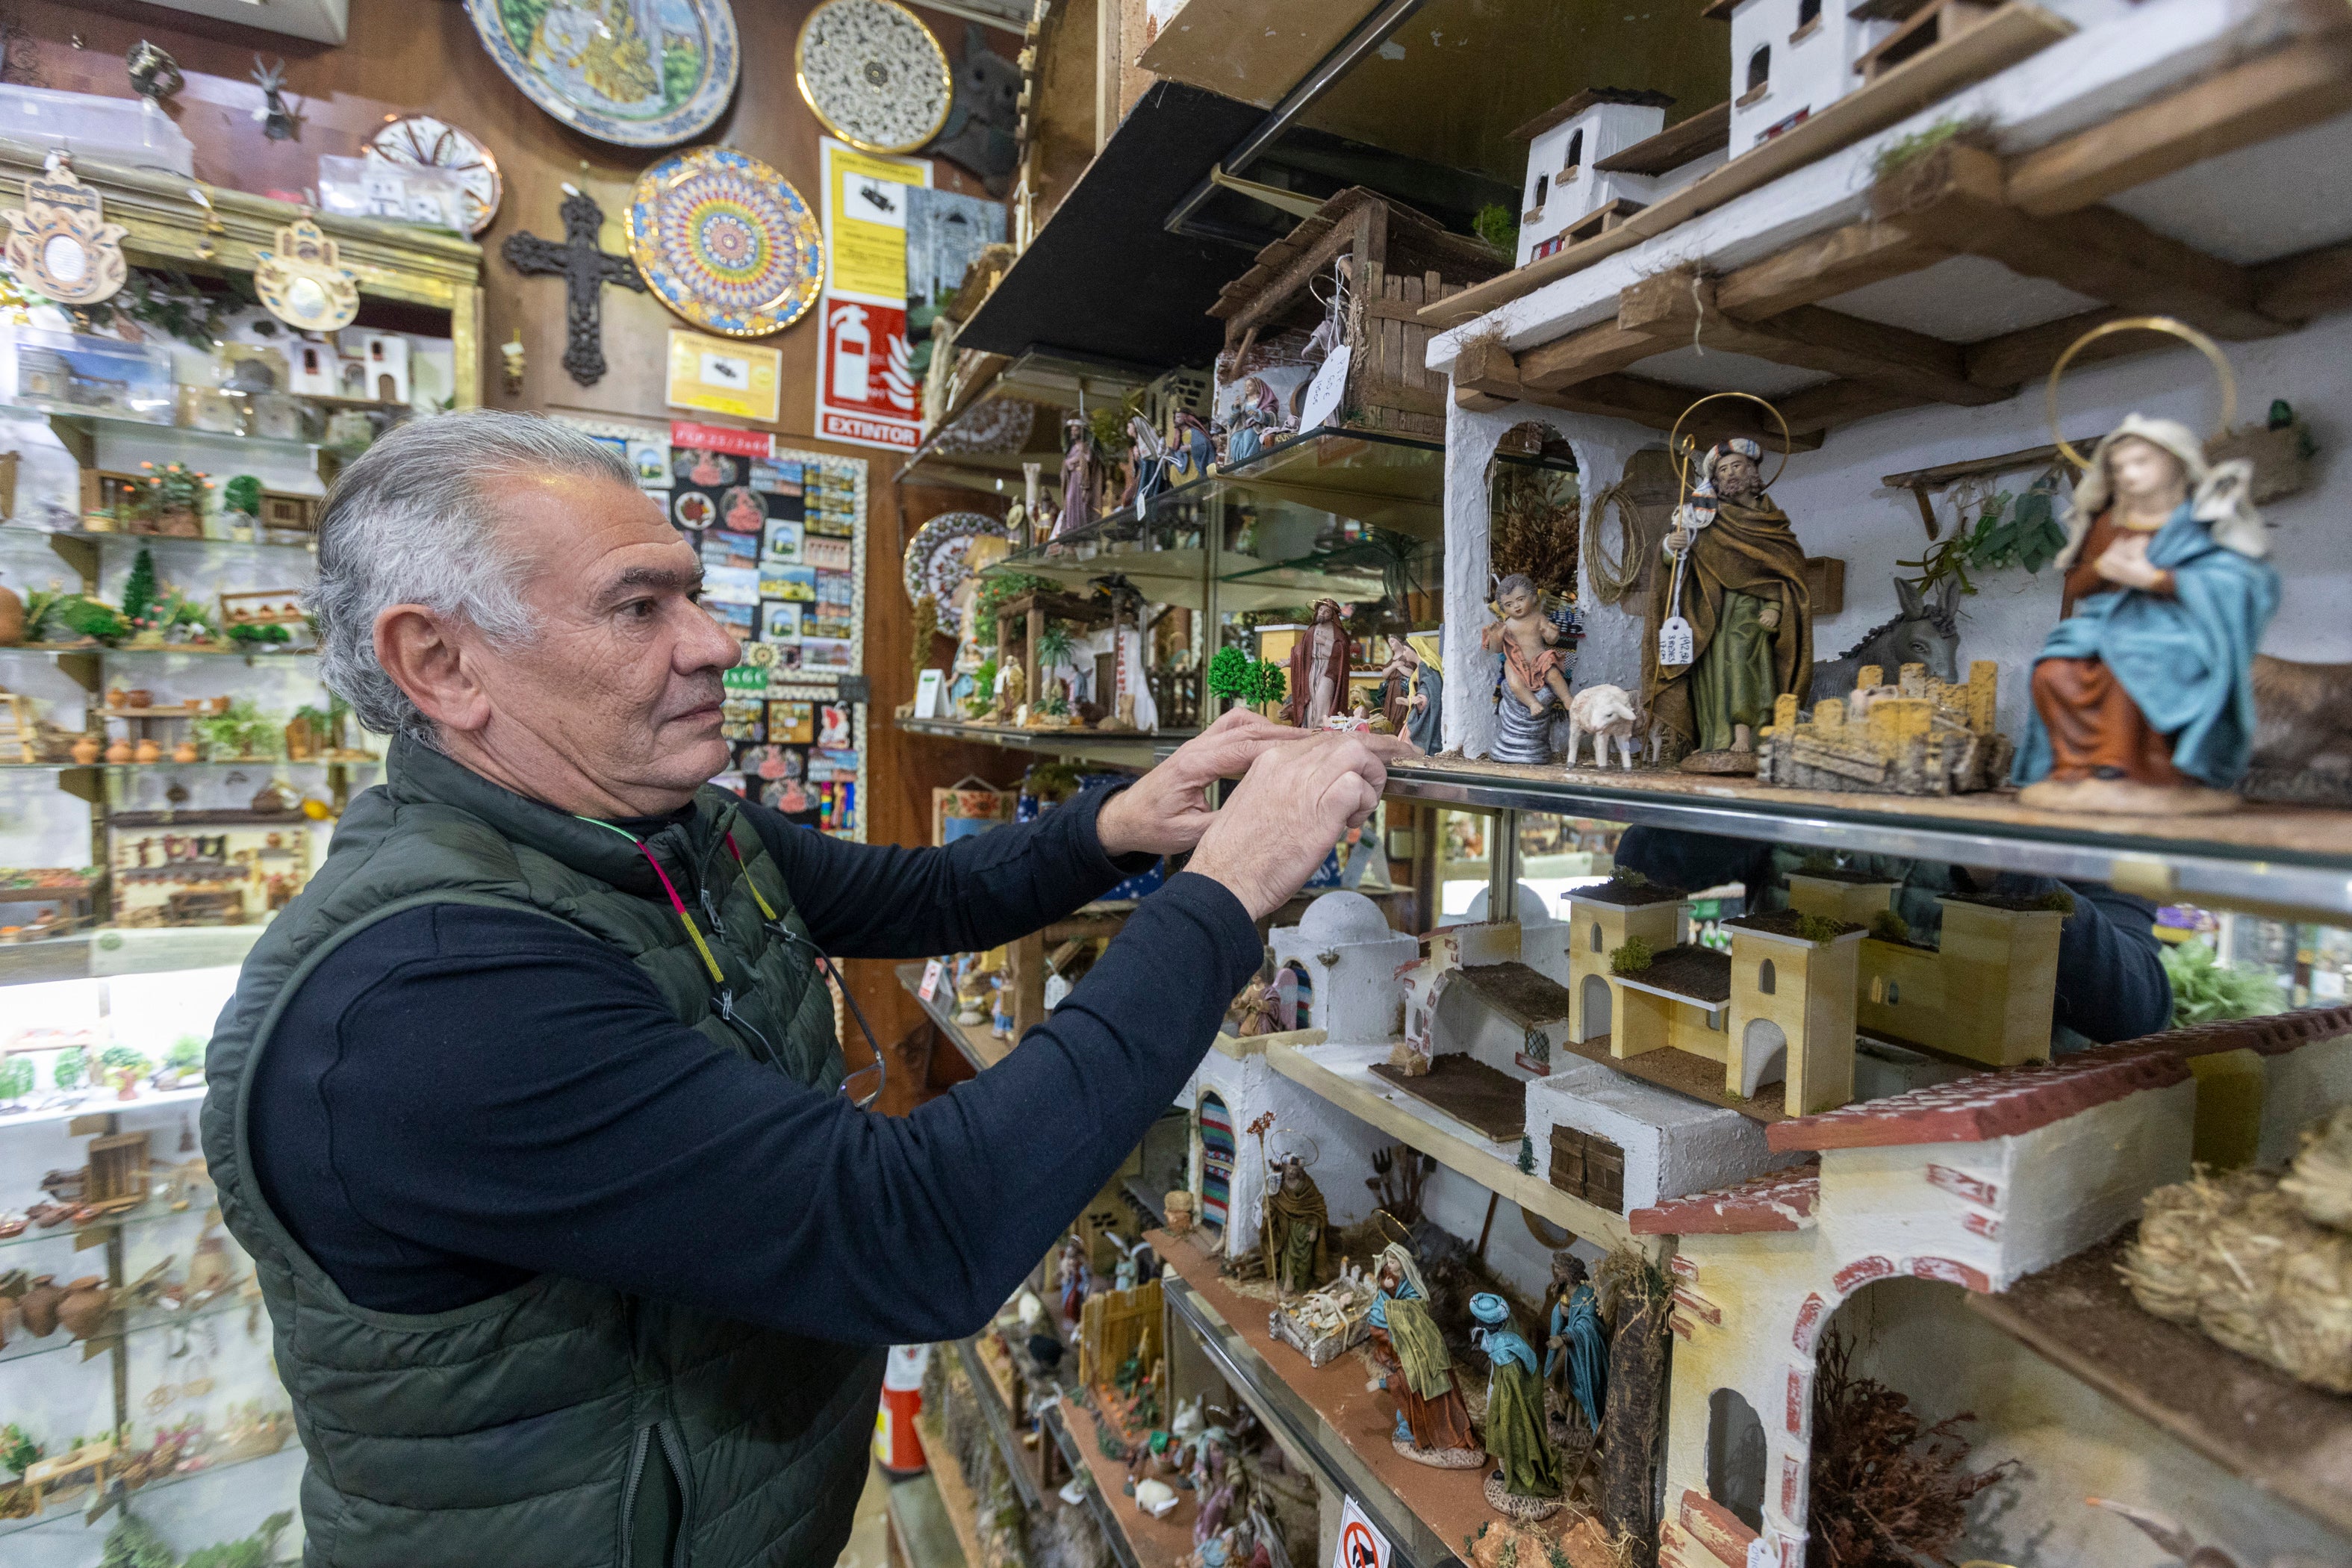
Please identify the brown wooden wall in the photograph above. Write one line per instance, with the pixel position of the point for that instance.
(407, 57)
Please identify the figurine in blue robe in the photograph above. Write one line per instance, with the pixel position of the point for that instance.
(1577, 1339)
(1529, 1465)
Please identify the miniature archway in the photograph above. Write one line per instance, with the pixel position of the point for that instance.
(1596, 1007)
(1575, 158)
(1736, 1456)
(1215, 1130)
(1297, 1008)
(1760, 69)
(1768, 978)
(1763, 1055)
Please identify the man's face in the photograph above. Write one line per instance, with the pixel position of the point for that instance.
(1736, 476)
(623, 676)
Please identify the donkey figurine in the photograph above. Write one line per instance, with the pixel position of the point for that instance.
(1925, 630)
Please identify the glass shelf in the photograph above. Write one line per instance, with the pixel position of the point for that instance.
(85, 536)
(74, 1510)
(112, 950)
(271, 763)
(93, 421)
(22, 1346)
(154, 1211)
(77, 650)
(1124, 748)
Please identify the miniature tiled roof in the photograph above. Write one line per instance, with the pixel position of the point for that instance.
(2271, 1035)
(1777, 1200)
(1987, 1104)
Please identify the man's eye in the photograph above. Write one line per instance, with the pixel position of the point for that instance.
(639, 609)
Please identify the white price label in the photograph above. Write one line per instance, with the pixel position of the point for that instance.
(933, 972)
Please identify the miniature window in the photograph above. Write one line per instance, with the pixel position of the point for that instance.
(1894, 995)
(1543, 190)
(1734, 1456)
(1596, 936)
(1575, 152)
(1809, 18)
(1767, 977)
(1760, 69)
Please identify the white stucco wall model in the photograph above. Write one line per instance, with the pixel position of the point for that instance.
(1342, 1145)
(1673, 1146)
(1351, 956)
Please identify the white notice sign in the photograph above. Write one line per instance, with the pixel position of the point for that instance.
(1362, 1545)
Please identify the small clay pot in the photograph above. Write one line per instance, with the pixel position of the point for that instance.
(38, 1306)
(119, 751)
(138, 697)
(186, 752)
(89, 749)
(220, 704)
(82, 1308)
(117, 698)
(149, 751)
(11, 618)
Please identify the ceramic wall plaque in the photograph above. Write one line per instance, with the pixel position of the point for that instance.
(61, 244)
(639, 73)
(726, 242)
(874, 74)
(303, 281)
(937, 560)
(422, 141)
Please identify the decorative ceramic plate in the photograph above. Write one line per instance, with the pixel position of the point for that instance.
(999, 425)
(420, 139)
(639, 73)
(874, 74)
(935, 561)
(694, 510)
(725, 242)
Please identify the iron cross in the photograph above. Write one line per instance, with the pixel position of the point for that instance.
(584, 270)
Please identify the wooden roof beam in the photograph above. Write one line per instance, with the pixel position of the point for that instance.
(1956, 198)
(2297, 288)
(1823, 267)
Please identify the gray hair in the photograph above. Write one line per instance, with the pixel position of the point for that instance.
(411, 523)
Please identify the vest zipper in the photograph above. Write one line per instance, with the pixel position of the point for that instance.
(673, 1450)
(637, 1475)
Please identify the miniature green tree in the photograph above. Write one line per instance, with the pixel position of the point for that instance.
(256, 1551)
(114, 1059)
(187, 1054)
(1494, 224)
(1630, 959)
(1268, 683)
(71, 1069)
(242, 493)
(2205, 989)
(1888, 926)
(18, 1451)
(1813, 928)
(15, 1078)
(1527, 1154)
(1232, 674)
(133, 1543)
(139, 589)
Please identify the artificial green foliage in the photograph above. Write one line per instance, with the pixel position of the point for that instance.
(1813, 928)
(2204, 989)
(1904, 150)
(1054, 645)
(2058, 900)
(1496, 226)
(242, 493)
(71, 1069)
(242, 732)
(246, 634)
(116, 1058)
(139, 588)
(2010, 531)
(1630, 959)
(1888, 926)
(256, 1551)
(1629, 878)
(1268, 683)
(187, 1054)
(15, 1078)
(994, 589)
(133, 1543)
(18, 1451)
(1526, 1155)
(1231, 674)
(60, 616)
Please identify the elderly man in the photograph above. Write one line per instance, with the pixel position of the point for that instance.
(529, 1109)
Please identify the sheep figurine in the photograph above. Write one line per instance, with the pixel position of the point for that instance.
(1607, 714)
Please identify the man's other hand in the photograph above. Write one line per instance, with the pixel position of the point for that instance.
(1297, 799)
(1166, 811)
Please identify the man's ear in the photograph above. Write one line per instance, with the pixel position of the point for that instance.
(423, 654)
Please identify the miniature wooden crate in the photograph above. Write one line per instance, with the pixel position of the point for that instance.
(1396, 260)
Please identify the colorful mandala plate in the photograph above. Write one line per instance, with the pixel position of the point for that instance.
(725, 242)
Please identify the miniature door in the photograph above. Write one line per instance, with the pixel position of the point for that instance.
(385, 354)
(315, 369)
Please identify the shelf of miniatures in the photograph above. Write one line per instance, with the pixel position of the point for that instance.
(1844, 510)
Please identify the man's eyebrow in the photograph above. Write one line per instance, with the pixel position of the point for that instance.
(637, 577)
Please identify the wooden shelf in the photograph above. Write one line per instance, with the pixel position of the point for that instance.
(1149, 1543)
(2284, 1437)
(979, 1045)
(955, 1494)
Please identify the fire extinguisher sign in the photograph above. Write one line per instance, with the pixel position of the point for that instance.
(1360, 1543)
(866, 394)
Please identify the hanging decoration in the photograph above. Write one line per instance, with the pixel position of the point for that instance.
(277, 121)
(61, 244)
(585, 269)
(937, 560)
(421, 141)
(874, 74)
(726, 242)
(303, 282)
(637, 73)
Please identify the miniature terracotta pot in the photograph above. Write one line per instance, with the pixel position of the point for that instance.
(186, 752)
(82, 1308)
(38, 1306)
(148, 750)
(117, 698)
(220, 705)
(119, 751)
(89, 749)
(11, 619)
(138, 697)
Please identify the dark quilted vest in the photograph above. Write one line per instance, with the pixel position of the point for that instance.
(559, 1424)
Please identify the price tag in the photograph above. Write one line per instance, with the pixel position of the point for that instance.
(933, 972)
(1361, 1545)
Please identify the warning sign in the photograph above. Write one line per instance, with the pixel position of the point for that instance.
(865, 388)
(1362, 1545)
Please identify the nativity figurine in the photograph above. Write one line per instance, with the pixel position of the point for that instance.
(1074, 1279)
(1413, 690)
(1297, 1230)
(1319, 669)
(1576, 1343)
(1735, 572)
(1528, 1482)
(1080, 479)
(1433, 1425)
(1191, 450)
(1534, 678)
(2144, 694)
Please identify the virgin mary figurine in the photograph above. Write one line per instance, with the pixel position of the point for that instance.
(2143, 694)
(1432, 1425)
(1742, 589)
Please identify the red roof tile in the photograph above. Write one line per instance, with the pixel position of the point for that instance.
(1777, 1200)
(1987, 1104)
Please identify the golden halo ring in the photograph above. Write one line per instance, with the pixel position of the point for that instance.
(2166, 324)
(1681, 460)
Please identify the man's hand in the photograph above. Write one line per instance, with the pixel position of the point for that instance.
(1166, 811)
(1294, 805)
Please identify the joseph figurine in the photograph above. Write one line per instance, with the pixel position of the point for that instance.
(1743, 593)
(1295, 1226)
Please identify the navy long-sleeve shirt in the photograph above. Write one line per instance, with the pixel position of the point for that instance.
(463, 1097)
(2111, 979)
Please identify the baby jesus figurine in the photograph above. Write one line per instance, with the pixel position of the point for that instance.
(1534, 669)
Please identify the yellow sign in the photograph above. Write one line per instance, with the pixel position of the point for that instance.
(720, 375)
(865, 227)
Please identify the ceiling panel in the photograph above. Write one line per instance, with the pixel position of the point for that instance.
(1963, 301)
